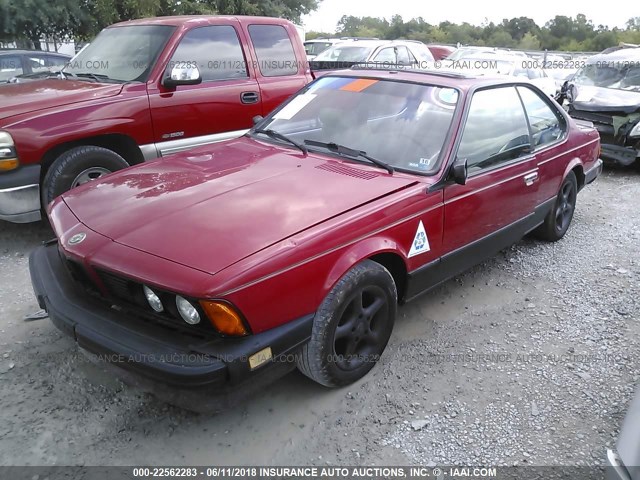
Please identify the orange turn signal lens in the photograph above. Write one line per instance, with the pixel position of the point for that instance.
(224, 317)
(8, 164)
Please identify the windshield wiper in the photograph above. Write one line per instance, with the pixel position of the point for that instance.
(280, 136)
(351, 152)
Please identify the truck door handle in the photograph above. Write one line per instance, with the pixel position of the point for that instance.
(249, 97)
(530, 178)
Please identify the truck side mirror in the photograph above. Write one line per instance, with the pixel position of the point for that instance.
(182, 75)
(460, 171)
(257, 119)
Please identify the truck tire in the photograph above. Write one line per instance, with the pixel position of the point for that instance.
(77, 166)
(351, 327)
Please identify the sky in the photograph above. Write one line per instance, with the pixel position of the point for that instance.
(473, 11)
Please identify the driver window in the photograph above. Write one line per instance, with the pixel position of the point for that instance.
(546, 125)
(215, 50)
(496, 131)
(386, 55)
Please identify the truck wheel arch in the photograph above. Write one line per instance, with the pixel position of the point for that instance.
(123, 145)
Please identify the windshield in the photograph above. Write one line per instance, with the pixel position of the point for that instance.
(121, 54)
(401, 124)
(314, 48)
(619, 75)
(345, 53)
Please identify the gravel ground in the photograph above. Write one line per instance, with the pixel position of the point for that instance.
(528, 359)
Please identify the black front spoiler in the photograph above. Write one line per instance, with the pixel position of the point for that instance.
(150, 351)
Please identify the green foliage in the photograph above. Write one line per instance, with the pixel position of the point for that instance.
(32, 20)
(560, 33)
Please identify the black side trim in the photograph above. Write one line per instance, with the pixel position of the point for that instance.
(439, 271)
(25, 175)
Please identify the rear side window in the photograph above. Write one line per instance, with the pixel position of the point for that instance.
(546, 125)
(496, 130)
(10, 66)
(216, 50)
(276, 57)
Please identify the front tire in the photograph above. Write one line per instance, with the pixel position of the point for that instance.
(558, 220)
(352, 326)
(77, 166)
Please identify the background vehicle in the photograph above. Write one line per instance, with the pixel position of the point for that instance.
(606, 91)
(440, 52)
(493, 63)
(383, 53)
(623, 462)
(26, 62)
(318, 45)
(367, 188)
(142, 89)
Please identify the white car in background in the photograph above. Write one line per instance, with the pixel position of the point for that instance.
(508, 64)
(319, 45)
(409, 53)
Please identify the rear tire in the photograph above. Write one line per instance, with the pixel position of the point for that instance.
(352, 326)
(77, 166)
(558, 220)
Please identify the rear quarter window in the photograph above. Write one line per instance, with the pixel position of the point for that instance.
(276, 57)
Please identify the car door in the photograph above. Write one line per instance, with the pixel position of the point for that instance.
(548, 131)
(496, 205)
(226, 101)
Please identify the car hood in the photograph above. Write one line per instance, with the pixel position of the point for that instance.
(21, 98)
(599, 99)
(216, 205)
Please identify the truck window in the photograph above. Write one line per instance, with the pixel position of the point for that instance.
(274, 49)
(216, 50)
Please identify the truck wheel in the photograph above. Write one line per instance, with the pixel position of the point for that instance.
(77, 166)
(352, 326)
(559, 218)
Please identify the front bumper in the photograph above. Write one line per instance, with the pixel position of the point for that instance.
(152, 352)
(20, 195)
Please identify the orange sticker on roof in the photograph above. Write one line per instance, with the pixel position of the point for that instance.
(359, 85)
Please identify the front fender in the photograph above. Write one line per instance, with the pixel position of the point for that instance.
(358, 252)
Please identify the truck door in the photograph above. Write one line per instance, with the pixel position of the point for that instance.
(281, 72)
(220, 107)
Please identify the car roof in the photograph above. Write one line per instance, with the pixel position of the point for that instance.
(443, 78)
(178, 20)
(16, 51)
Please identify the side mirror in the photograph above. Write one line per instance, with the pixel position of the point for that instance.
(182, 75)
(257, 119)
(459, 171)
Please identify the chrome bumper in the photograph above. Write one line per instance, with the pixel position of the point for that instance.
(20, 195)
(20, 204)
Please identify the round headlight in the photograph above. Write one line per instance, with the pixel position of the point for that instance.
(187, 311)
(154, 300)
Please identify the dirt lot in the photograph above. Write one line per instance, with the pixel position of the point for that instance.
(530, 358)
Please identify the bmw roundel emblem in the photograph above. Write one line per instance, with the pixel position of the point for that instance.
(77, 238)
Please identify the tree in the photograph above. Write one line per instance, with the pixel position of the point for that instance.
(529, 42)
(34, 20)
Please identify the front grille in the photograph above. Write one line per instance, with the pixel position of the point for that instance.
(119, 287)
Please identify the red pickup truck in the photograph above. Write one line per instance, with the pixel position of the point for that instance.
(141, 90)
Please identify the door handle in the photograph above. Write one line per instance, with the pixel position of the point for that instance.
(530, 178)
(249, 97)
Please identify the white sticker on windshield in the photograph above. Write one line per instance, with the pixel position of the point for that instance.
(294, 106)
(420, 242)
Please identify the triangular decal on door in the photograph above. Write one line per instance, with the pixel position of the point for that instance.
(420, 242)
